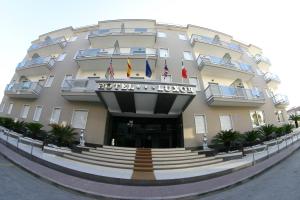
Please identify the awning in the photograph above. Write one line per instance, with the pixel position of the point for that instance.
(145, 97)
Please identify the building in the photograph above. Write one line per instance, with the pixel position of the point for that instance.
(294, 111)
(62, 80)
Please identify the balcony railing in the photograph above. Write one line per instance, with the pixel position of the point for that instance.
(49, 61)
(260, 58)
(280, 100)
(235, 65)
(212, 41)
(50, 41)
(79, 85)
(32, 89)
(120, 31)
(90, 53)
(271, 77)
(233, 93)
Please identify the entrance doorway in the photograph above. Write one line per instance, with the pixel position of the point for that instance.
(145, 132)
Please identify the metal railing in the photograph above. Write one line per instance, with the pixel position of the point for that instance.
(214, 90)
(120, 31)
(36, 62)
(24, 87)
(280, 99)
(260, 58)
(209, 40)
(271, 77)
(206, 60)
(80, 85)
(50, 41)
(109, 52)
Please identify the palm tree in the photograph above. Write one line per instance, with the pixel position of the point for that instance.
(35, 130)
(280, 131)
(268, 131)
(288, 128)
(62, 135)
(295, 118)
(227, 138)
(251, 137)
(19, 127)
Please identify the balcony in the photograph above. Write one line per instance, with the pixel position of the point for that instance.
(36, 66)
(280, 101)
(214, 46)
(219, 95)
(272, 80)
(28, 90)
(131, 37)
(48, 47)
(225, 68)
(80, 90)
(99, 59)
(262, 62)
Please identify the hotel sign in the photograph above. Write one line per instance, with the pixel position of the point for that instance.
(147, 87)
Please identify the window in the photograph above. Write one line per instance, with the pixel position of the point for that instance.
(140, 30)
(187, 55)
(2, 107)
(167, 79)
(138, 51)
(259, 72)
(49, 81)
(226, 123)
(161, 35)
(279, 115)
(79, 119)
(25, 111)
(67, 77)
(182, 36)
(257, 118)
(269, 93)
(55, 116)
(200, 123)
(10, 107)
(61, 57)
(72, 39)
(37, 113)
(194, 81)
(163, 53)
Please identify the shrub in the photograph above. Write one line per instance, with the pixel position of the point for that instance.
(34, 130)
(19, 127)
(267, 131)
(227, 139)
(280, 131)
(252, 137)
(288, 128)
(6, 122)
(62, 135)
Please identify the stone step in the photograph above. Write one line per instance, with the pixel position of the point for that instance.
(174, 162)
(112, 150)
(116, 147)
(112, 153)
(100, 163)
(178, 158)
(120, 157)
(143, 169)
(110, 160)
(188, 165)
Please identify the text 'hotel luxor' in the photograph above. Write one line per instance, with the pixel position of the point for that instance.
(144, 84)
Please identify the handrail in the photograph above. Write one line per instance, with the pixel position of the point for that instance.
(28, 86)
(35, 62)
(59, 40)
(118, 31)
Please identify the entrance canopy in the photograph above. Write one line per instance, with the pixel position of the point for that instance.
(145, 97)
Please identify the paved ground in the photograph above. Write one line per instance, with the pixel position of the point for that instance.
(282, 182)
(17, 184)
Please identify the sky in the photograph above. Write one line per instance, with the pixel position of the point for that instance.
(272, 25)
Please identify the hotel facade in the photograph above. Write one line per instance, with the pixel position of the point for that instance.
(63, 79)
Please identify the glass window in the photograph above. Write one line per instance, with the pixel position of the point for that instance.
(161, 35)
(61, 57)
(187, 55)
(55, 116)
(257, 118)
(79, 119)
(167, 78)
(37, 113)
(49, 81)
(200, 123)
(194, 81)
(2, 107)
(138, 50)
(25, 111)
(279, 115)
(163, 53)
(226, 123)
(182, 36)
(140, 30)
(10, 107)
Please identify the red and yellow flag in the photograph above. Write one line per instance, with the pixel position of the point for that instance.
(129, 68)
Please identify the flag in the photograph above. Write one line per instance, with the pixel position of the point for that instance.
(166, 70)
(129, 67)
(183, 70)
(148, 69)
(110, 71)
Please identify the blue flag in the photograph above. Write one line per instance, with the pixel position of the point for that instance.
(148, 69)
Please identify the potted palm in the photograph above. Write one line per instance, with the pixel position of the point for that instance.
(227, 139)
(267, 131)
(295, 118)
(62, 135)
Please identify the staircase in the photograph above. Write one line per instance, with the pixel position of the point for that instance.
(143, 161)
